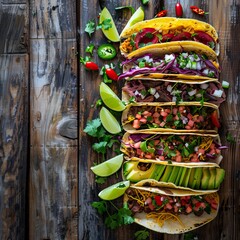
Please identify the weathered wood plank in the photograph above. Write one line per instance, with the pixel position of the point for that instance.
(13, 145)
(54, 151)
(225, 18)
(52, 19)
(14, 28)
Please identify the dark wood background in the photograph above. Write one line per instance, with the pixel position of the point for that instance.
(46, 99)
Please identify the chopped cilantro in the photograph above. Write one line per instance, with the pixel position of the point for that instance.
(89, 48)
(142, 234)
(105, 24)
(230, 138)
(90, 27)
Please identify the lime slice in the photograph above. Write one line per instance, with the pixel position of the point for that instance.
(108, 167)
(138, 16)
(111, 33)
(109, 122)
(110, 98)
(114, 191)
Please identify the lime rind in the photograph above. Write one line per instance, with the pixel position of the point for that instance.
(110, 98)
(112, 33)
(114, 191)
(108, 167)
(109, 122)
(138, 16)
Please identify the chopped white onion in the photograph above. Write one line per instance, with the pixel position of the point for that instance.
(205, 71)
(186, 144)
(169, 88)
(169, 57)
(204, 86)
(156, 95)
(225, 84)
(217, 93)
(196, 148)
(193, 92)
(185, 55)
(174, 99)
(199, 67)
(191, 58)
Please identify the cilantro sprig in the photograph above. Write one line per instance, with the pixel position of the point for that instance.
(142, 234)
(119, 217)
(90, 27)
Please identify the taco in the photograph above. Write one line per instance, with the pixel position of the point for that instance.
(186, 58)
(182, 117)
(191, 178)
(172, 147)
(161, 30)
(164, 211)
(164, 90)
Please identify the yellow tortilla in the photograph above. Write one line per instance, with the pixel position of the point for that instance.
(171, 23)
(127, 126)
(160, 49)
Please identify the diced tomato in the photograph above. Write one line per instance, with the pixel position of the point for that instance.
(158, 200)
(162, 124)
(182, 36)
(212, 146)
(201, 150)
(178, 158)
(167, 110)
(189, 209)
(137, 144)
(189, 116)
(146, 114)
(175, 209)
(168, 206)
(190, 123)
(151, 206)
(174, 111)
(188, 127)
(214, 118)
(143, 120)
(201, 118)
(156, 115)
(136, 124)
(148, 156)
(138, 116)
(161, 158)
(163, 113)
(156, 142)
(181, 109)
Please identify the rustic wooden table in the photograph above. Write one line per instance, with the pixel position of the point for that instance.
(46, 99)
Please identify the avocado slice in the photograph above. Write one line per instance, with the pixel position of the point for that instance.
(211, 183)
(182, 176)
(158, 171)
(136, 175)
(195, 178)
(129, 166)
(174, 174)
(205, 178)
(186, 177)
(166, 174)
(220, 174)
(199, 174)
(179, 175)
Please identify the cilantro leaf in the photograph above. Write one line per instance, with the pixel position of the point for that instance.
(141, 234)
(100, 147)
(125, 216)
(112, 221)
(101, 206)
(230, 138)
(90, 27)
(100, 180)
(89, 48)
(92, 127)
(105, 24)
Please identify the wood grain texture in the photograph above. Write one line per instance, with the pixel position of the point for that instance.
(13, 145)
(53, 198)
(224, 16)
(14, 28)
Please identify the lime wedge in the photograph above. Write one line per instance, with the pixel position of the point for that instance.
(111, 33)
(110, 99)
(138, 16)
(108, 167)
(114, 191)
(109, 122)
